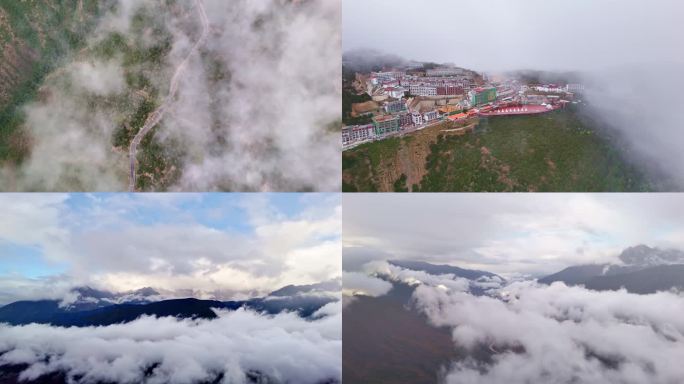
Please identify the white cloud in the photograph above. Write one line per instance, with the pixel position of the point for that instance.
(505, 234)
(357, 283)
(127, 242)
(554, 333)
(407, 276)
(622, 66)
(562, 334)
(33, 221)
(577, 35)
(261, 126)
(283, 347)
(98, 78)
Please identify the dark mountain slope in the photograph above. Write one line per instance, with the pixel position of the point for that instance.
(648, 280)
(575, 275)
(385, 341)
(24, 312)
(290, 290)
(49, 311)
(644, 270)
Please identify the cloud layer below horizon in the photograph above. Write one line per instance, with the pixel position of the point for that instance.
(554, 333)
(284, 348)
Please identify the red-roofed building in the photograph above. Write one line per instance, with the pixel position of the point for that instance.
(458, 116)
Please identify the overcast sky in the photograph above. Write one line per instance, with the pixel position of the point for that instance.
(508, 233)
(518, 34)
(233, 244)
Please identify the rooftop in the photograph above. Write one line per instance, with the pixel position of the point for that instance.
(457, 116)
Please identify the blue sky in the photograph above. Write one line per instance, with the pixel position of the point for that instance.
(215, 210)
(47, 235)
(26, 260)
(220, 211)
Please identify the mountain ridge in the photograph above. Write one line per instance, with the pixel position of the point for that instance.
(305, 301)
(643, 270)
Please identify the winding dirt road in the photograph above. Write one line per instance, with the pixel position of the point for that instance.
(155, 117)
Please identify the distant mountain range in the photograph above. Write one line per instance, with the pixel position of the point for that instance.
(643, 270)
(437, 269)
(387, 341)
(480, 281)
(95, 307)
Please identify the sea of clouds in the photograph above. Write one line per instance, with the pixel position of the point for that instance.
(283, 348)
(548, 333)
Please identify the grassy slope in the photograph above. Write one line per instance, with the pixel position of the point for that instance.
(552, 152)
(44, 32)
(158, 166)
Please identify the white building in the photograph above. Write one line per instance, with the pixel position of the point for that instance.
(444, 71)
(417, 118)
(574, 87)
(546, 89)
(356, 133)
(396, 92)
(423, 90)
(395, 106)
(384, 77)
(429, 116)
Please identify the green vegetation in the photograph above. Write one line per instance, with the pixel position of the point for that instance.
(44, 33)
(349, 98)
(159, 166)
(557, 151)
(108, 47)
(128, 129)
(400, 184)
(378, 152)
(364, 161)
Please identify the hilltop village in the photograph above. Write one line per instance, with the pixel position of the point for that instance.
(401, 101)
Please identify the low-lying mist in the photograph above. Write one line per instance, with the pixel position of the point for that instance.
(256, 110)
(641, 103)
(546, 333)
(283, 348)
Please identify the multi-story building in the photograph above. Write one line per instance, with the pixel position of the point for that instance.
(549, 89)
(396, 92)
(355, 133)
(384, 77)
(429, 116)
(423, 90)
(449, 90)
(417, 118)
(395, 106)
(385, 125)
(574, 88)
(535, 99)
(504, 91)
(405, 120)
(444, 71)
(479, 96)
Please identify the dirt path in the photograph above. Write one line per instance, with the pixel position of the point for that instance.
(155, 117)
